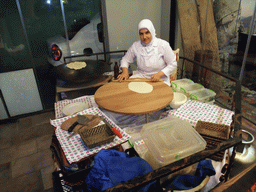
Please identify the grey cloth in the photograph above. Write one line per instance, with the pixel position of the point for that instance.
(124, 121)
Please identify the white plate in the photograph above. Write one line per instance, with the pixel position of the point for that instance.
(73, 108)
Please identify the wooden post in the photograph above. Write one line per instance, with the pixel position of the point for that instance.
(199, 32)
(200, 74)
(189, 30)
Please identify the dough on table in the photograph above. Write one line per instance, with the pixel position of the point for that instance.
(76, 65)
(140, 87)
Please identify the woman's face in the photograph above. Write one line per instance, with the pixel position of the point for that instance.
(145, 36)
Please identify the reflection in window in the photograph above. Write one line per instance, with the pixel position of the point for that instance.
(76, 26)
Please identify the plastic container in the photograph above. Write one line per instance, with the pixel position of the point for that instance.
(169, 140)
(178, 100)
(203, 95)
(211, 102)
(176, 85)
(136, 141)
(187, 89)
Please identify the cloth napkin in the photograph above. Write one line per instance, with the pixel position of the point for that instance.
(185, 182)
(111, 167)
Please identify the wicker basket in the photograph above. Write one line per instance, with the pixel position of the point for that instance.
(96, 136)
(213, 134)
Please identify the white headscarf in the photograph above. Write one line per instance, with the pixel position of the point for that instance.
(146, 23)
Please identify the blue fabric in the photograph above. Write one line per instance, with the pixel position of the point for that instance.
(112, 167)
(184, 182)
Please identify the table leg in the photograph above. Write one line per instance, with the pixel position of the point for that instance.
(146, 116)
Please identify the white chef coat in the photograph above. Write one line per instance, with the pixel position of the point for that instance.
(159, 58)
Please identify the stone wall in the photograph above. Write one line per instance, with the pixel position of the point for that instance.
(227, 17)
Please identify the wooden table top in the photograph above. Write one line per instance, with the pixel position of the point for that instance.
(117, 97)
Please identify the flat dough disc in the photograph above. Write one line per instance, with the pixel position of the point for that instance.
(140, 87)
(76, 65)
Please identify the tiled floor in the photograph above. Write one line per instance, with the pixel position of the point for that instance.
(25, 158)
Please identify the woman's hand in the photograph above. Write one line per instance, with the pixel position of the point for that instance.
(124, 75)
(157, 76)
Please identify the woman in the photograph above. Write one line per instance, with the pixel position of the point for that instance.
(155, 57)
(155, 61)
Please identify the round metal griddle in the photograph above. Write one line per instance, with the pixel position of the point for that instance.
(93, 70)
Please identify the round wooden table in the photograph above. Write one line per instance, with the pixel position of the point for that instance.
(118, 98)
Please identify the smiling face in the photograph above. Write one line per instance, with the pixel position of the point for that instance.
(145, 36)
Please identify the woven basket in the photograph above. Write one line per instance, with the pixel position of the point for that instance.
(213, 134)
(96, 136)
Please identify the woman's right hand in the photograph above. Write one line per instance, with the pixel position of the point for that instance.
(123, 77)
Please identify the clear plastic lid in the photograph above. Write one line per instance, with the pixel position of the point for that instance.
(171, 139)
(203, 95)
(181, 83)
(191, 87)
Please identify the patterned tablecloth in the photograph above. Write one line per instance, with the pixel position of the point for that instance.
(192, 111)
(61, 104)
(74, 147)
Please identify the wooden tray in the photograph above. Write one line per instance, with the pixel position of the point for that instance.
(213, 129)
(96, 136)
(213, 134)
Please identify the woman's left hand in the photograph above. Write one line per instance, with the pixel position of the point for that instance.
(157, 76)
